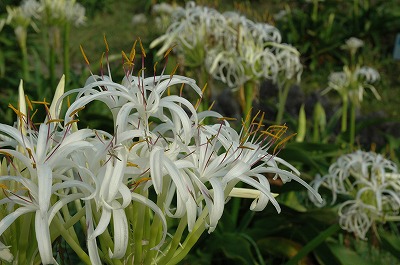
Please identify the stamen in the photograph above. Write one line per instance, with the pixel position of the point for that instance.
(54, 120)
(135, 184)
(106, 43)
(28, 102)
(84, 55)
(76, 111)
(130, 164)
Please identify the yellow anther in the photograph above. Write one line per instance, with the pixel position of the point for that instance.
(5, 153)
(282, 142)
(245, 147)
(19, 113)
(28, 102)
(140, 72)
(71, 121)
(130, 164)
(181, 89)
(34, 113)
(212, 105)
(54, 120)
(44, 102)
(29, 152)
(135, 143)
(105, 42)
(226, 119)
(4, 187)
(132, 54)
(84, 55)
(141, 47)
(174, 71)
(168, 51)
(135, 184)
(76, 111)
(155, 67)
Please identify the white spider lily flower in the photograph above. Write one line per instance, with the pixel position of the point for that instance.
(353, 44)
(367, 178)
(42, 154)
(352, 84)
(236, 49)
(356, 217)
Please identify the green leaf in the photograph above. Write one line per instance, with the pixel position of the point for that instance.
(347, 256)
(315, 242)
(235, 247)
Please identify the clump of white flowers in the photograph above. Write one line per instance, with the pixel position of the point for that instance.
(372, 185)
(161, 164)
(232, 48)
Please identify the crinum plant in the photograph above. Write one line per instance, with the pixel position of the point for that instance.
(143, 193)
(371, 185)
(233, 49)
(351, 84)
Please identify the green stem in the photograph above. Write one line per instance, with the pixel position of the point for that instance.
(282, 97)
(352, 124)
(71, 242)
(67, 29)
(191, 239)
(25, 65)
(23, 242)
(176, 239)
(138, 232)
(155, 229)
(344, 114)
(249, 88)
(131, 223)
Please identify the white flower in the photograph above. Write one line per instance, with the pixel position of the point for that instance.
(371, 181)
(353, 44)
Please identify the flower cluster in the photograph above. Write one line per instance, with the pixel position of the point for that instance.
(50, 12)
(352, 82)
(373, 184)
(232, 48)
(162, 162)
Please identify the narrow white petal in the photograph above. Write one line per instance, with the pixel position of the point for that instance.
(43, 237)
(156, 166)
(45, 177)
(91, 241)
(120, 232)
(218, 204)
(10, 218)
(103, 223)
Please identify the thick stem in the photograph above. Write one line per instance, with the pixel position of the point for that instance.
(24, 237)
(67, 29)
(282, 97)
(344, 114)
(175, 241)
(71, 242)
(190, 241)
(352, 124)
(138, 232)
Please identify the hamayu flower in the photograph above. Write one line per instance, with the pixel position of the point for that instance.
(234, 48)
(192, 167)
(371, 181)
(353, 83)
(39, 157)
(353, 44)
